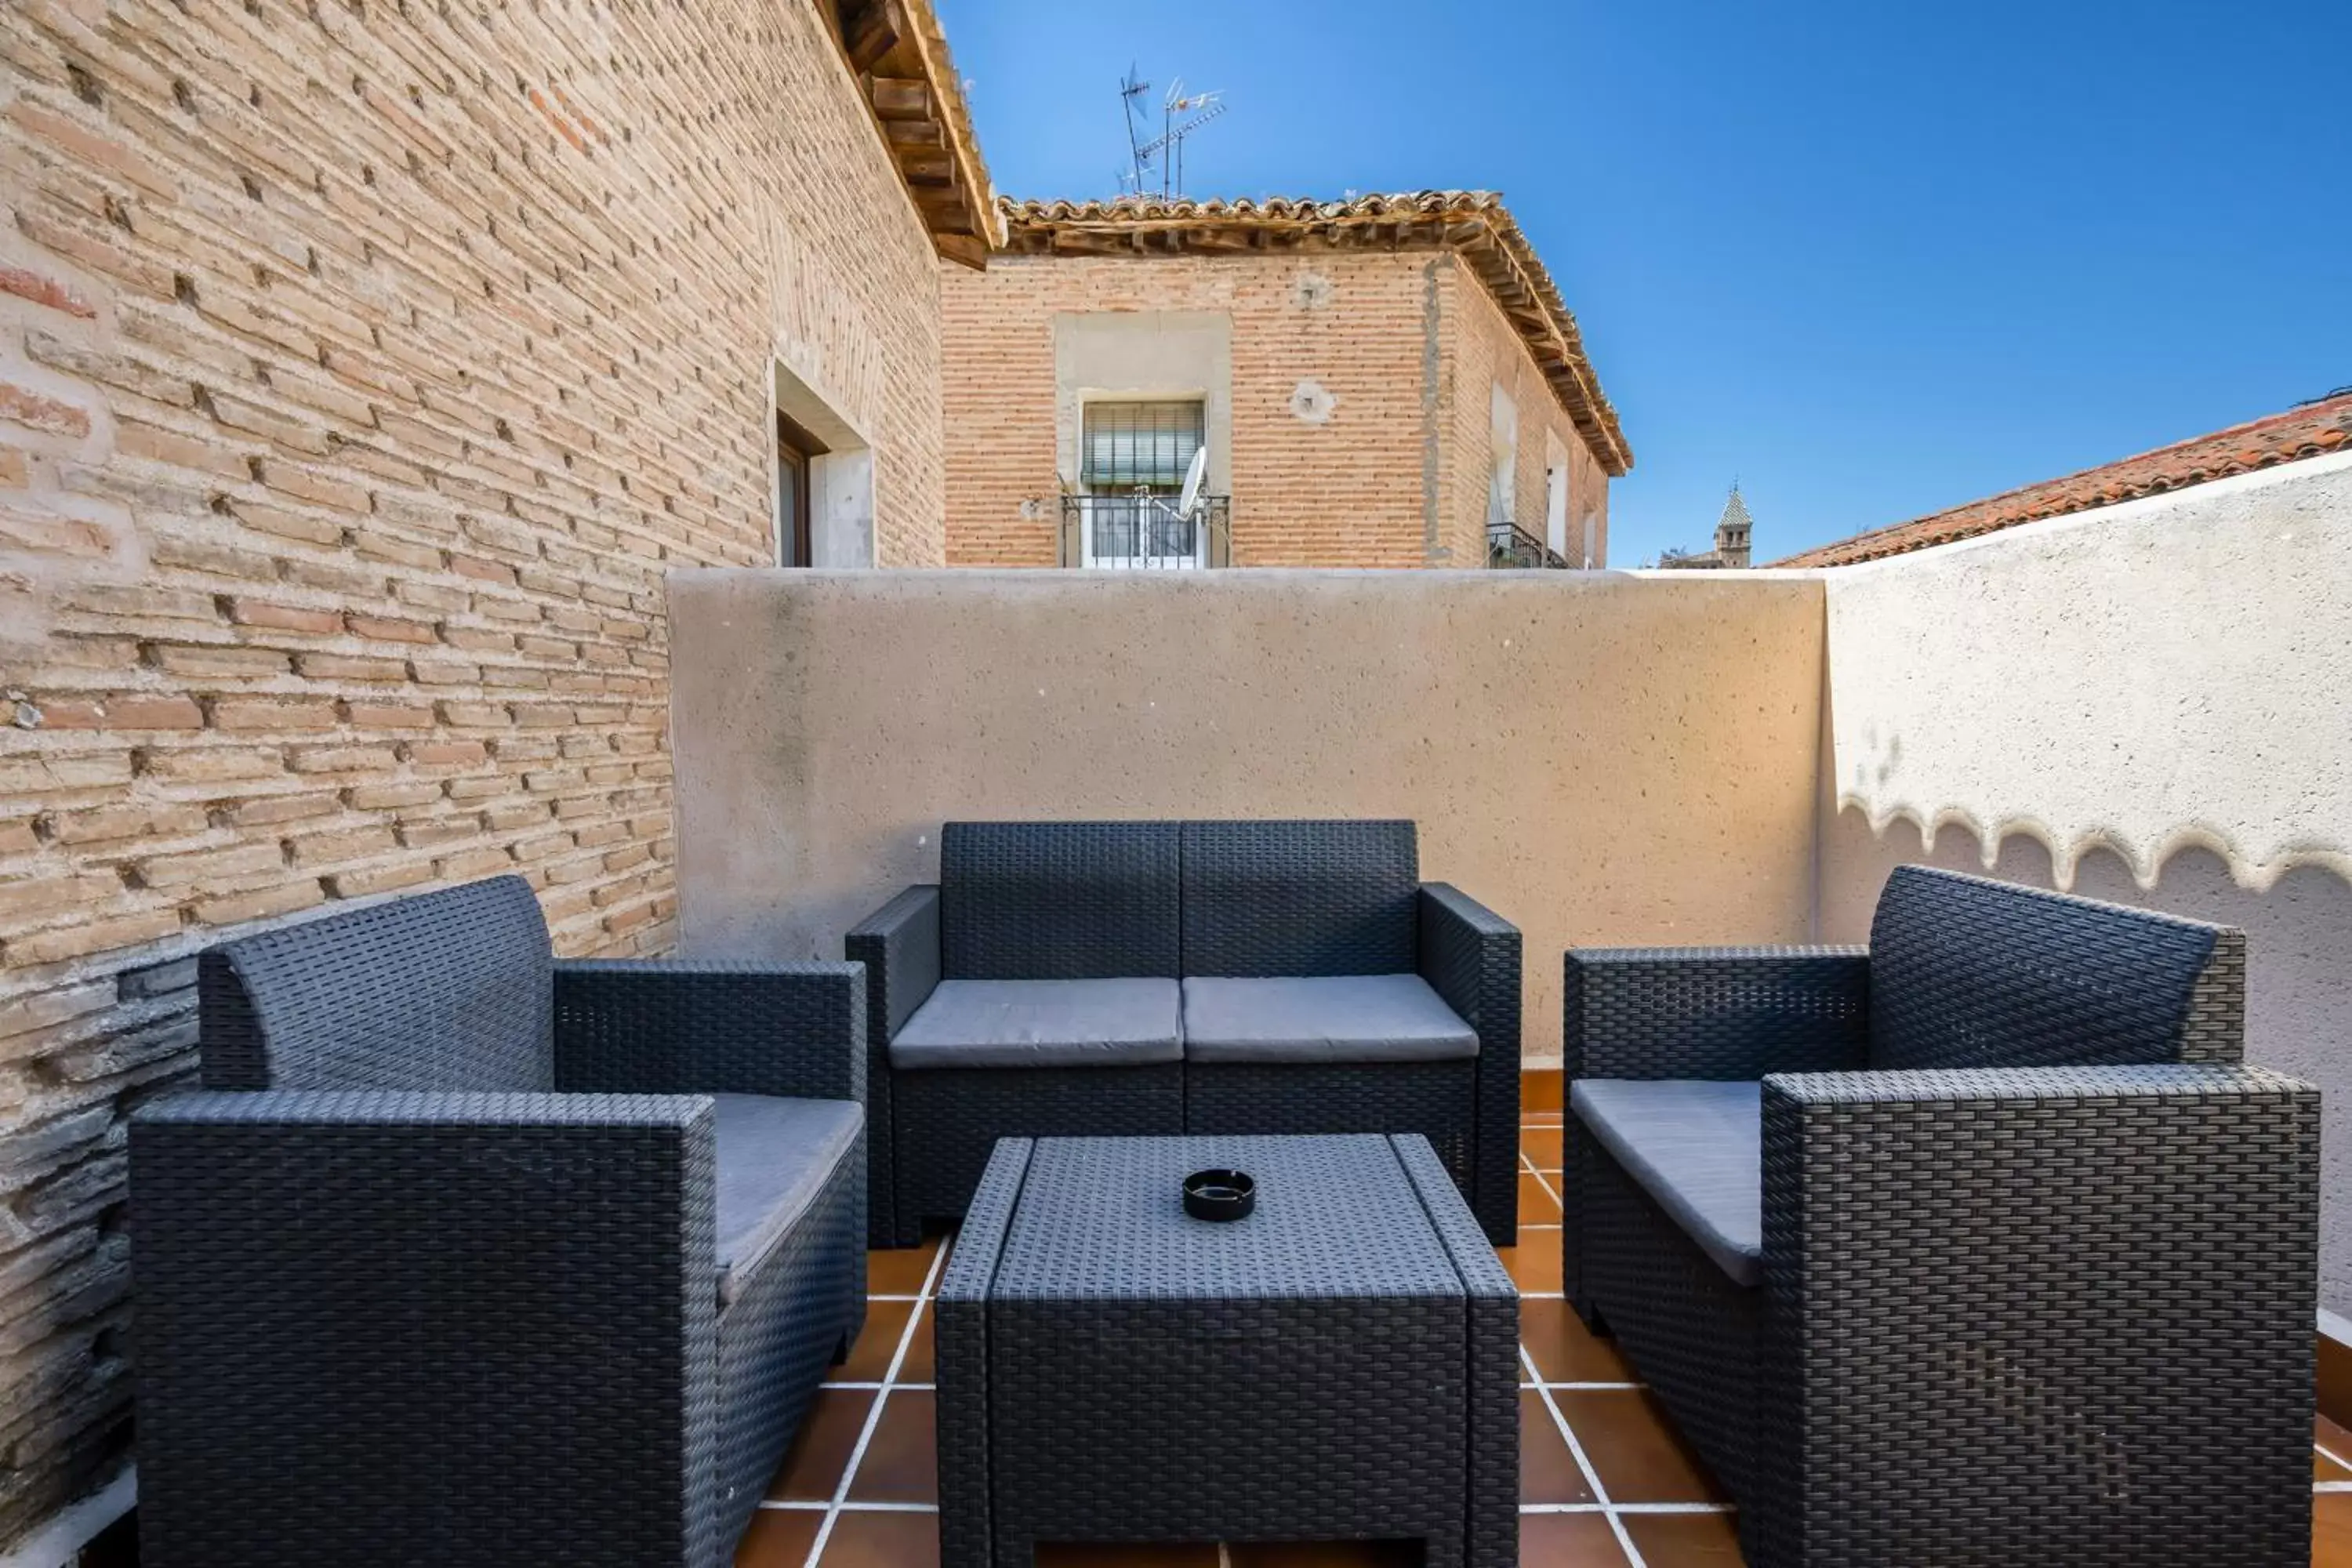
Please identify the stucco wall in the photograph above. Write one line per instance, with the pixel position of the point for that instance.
(1601, 758)
(2146, 703)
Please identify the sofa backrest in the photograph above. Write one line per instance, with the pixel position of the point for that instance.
(1965, 972)
(1059, 900)
(1300, 898)
(448, 990)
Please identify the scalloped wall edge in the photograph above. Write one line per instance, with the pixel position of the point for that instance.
(2256, 873)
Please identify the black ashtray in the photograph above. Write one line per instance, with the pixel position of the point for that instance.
(1219, 1195)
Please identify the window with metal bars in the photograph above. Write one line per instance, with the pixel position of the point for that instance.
(1127, 445)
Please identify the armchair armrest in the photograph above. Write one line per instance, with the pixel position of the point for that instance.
(633, 1026)
(444, 1287)
(1730, 1012)
(1470, 956)
(2037, 1264)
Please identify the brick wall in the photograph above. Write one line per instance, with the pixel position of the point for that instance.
(1381, 331)
(361, 370)
(1484, 349)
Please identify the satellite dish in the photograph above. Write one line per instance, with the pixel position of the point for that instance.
(1193, 478)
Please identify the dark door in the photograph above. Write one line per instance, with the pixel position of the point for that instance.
(792, 498)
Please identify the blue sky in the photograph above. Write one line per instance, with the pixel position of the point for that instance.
(1873, 259)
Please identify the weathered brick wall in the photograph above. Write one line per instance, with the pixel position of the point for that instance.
(361, 370)
(1381, 331)
(1483, 349)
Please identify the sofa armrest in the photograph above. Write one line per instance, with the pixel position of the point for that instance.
(2034, 1265)
(899, 945)
(1470, 956)
(685, 1027)
(1714, 1012)
(444, 1288)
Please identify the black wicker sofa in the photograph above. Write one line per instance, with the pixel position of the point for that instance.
(1102, 978)
(1973, 1246)
(471, 1257)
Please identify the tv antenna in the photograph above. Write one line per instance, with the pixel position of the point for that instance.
(1181, 114)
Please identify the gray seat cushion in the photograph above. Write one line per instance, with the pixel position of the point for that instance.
(1322, 1019)
(774, 1157)
(1042, 1024)
(1698, 1148)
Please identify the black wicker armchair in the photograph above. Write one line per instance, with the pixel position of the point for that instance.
(1972, 1246)
(1098, 978)
(471, 1257)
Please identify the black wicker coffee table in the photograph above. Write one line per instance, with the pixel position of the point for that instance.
(1342, 1364)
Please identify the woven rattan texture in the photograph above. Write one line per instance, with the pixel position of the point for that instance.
(948, 1122)
(1729, 1013)
(1293, 898)
(1694, 1334)
(2135, 1380)
(1325, 1391)
(800, 1315)
(1470, 956)
(1059, 900)
(967, 1528)
(448, 990)
(1436, 1100)
(677, 1027)
(465, 1329)
(1965, 972)
(899, 946)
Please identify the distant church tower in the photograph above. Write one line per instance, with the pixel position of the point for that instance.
(1731, 533)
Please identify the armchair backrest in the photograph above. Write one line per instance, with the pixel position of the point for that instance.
(1300, 898)
(448, 990)
(1059, 900)
(1965, 972)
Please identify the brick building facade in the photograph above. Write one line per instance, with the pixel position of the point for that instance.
(362, 369)
(1362, 370)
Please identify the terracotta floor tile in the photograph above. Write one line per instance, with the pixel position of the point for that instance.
(2335, 1439)
(1537, 1204)
(1547, 1471)
(2324, 1468)
(1540, 1118)
(901, 1462)
(921, 1365)
(1684, 1540)
(1321, 1554)
(820, 1451)
(1564, 1350)
(899, 1271)
(2331, 1531)
(1568, 1540)
(1637, 1457)
(1083, 1555)
(779, 1538)
(1541, 1145)
(884, 1541)
(869, 1358)
(1534, 1264)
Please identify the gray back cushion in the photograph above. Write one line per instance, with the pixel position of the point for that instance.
(1057, 900)
(450, 990)
(1300, 898)
(1966, 972)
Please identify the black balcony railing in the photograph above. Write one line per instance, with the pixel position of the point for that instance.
(1509, 545)
(1145, 532)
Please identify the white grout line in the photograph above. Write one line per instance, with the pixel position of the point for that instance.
(874, 1415)
(2324, 1450)
(1586, 1387)
(870, 1387)
(1551, 1188)
(1584, 1466)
